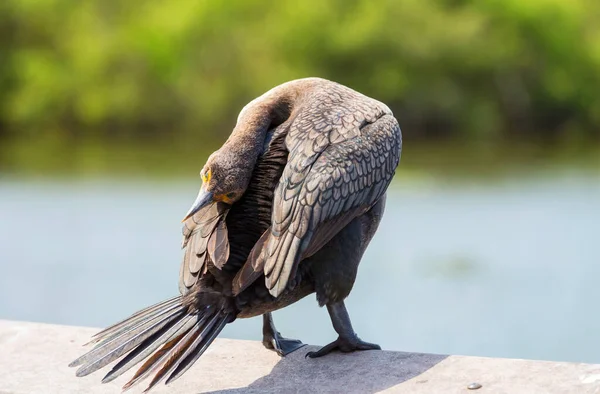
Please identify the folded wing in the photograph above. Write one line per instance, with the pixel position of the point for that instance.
(336, 171)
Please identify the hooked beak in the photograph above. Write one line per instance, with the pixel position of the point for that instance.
(204, 198)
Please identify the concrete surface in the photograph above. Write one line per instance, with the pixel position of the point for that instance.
(34, 358)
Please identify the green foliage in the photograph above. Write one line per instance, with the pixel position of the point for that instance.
(180, 71)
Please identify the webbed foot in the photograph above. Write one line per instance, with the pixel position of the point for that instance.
(345, 345)
(273, 340)
(347, 340)
(283, 346)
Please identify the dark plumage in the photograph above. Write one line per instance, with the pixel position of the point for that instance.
(288, 206)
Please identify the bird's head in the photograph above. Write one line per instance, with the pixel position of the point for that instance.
(225, 178)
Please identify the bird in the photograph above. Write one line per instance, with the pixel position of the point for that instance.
(287, 207)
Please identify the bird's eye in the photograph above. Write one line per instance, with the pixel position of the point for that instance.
(230, 195)
(205, 176)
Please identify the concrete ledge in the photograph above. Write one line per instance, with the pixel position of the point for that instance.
(34, 358)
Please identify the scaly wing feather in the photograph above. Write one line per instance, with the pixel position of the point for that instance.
(343, 182)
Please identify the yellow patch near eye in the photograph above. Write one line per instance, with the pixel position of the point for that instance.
(206, 176)
(226, 198)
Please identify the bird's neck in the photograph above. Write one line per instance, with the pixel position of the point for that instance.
(258, 117)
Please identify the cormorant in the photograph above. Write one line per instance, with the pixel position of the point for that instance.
(287, 208)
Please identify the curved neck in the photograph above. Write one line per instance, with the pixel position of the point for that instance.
(264, 113)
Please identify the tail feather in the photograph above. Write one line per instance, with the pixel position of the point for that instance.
(180, 352)
(195, 354)
(154, 362)
(147, 347)
(105, 354)
(183, 334)
(159, 358)
(134, 318)
(139, 324)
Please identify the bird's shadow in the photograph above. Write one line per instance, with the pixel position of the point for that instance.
(358, 372)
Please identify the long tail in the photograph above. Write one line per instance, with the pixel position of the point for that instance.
(182, 332)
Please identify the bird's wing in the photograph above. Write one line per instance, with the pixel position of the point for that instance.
(204, 239)
(340, 164)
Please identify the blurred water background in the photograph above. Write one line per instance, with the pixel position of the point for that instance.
(491, 240)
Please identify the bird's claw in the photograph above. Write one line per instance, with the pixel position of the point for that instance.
(344, 345)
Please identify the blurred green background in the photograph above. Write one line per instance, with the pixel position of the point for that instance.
(152, 86)
(489, 244)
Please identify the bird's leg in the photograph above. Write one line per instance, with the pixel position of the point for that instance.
(273, 340)
(347, 340)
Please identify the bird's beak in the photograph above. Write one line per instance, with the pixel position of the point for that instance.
(204, 198)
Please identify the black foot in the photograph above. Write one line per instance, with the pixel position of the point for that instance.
(344, 345)
(273, 340)
(283, 346)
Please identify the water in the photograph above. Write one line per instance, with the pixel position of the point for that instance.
(507, 268)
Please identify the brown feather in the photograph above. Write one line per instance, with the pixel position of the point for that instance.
(197, 231)
(197, 261)
(103, 355)
(197, 349)
(189, 278)
(153, 362)
(218, 245)
(118, 328)
(175, 355)
(146, 348)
